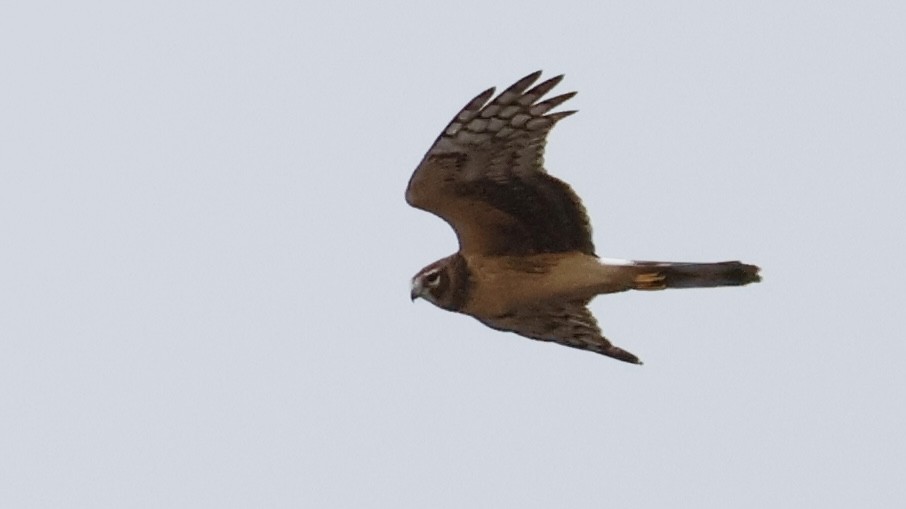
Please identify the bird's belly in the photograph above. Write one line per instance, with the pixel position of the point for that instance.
(502, 285)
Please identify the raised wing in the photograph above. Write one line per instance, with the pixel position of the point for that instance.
(485, 176)
(568, 323)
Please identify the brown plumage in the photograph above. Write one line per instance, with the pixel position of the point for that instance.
(526, 261)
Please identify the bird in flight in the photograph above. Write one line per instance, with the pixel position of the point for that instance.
(526, 262)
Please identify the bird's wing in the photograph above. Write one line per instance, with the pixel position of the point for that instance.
(485, 176)
(569, 323)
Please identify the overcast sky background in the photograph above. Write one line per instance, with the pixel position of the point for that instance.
(205, 256)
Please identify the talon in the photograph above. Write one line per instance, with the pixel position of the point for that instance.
(650, 281)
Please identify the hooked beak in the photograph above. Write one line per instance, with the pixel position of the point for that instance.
(415, 291)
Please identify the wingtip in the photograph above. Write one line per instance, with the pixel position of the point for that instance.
(485, 95)
(532, 75)
(477, 102)
(537, 74)
(621, 355)
(560, 115)
(523, 83)
(557, 79)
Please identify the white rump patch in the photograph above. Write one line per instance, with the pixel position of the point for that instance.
(616, 261)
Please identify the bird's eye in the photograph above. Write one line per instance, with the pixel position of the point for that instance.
(432, 278)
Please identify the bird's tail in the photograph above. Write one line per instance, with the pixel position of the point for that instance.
(661, 275)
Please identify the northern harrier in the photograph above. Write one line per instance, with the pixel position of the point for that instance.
(526, 262)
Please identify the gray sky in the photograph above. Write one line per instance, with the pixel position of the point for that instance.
(205, 257)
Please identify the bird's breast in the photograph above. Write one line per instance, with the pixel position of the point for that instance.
(500, 285)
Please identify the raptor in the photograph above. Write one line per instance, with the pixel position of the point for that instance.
(526, 261)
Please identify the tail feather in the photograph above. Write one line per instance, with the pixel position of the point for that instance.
(660, 275)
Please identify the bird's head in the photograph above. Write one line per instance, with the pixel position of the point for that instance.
(444, 283)
(430, 283)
